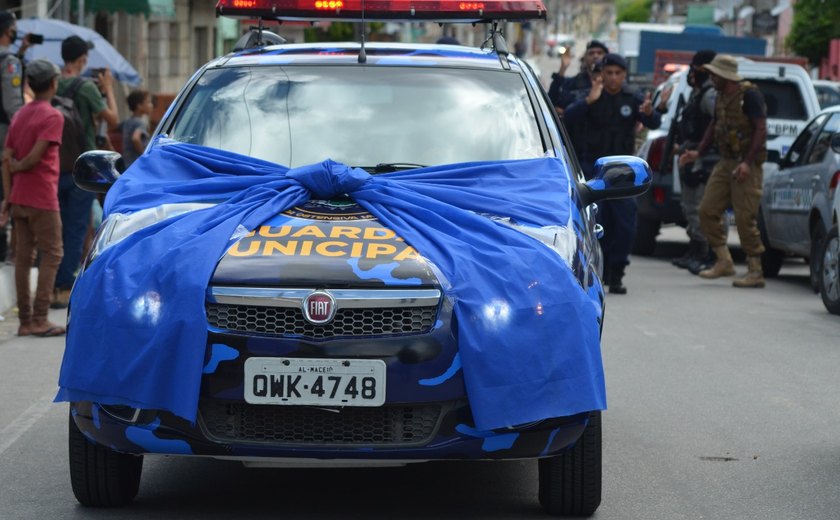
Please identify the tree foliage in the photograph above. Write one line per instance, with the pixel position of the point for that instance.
(815, 22)
(633, 10)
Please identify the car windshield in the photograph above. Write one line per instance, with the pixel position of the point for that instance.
(828, 95)
(784, 99)
(361, 116)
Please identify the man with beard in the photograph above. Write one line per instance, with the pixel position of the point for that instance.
(739, 131)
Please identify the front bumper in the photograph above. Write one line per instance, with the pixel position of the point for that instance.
(419, 432)
(426, 415)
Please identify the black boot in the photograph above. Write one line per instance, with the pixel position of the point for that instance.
(704, 260)
(683, 261)
(616, 273)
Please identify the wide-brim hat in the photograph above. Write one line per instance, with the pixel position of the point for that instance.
(725, 66)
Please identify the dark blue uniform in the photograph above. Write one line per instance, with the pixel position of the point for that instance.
(608, 127)
(565, 91)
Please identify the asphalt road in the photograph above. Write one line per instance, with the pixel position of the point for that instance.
(723, 404)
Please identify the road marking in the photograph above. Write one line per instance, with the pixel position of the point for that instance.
(11, 433)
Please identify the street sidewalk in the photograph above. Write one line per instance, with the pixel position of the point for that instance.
(7, 287)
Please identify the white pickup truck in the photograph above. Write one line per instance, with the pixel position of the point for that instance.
(791, 103)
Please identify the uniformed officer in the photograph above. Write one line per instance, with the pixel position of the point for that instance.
(739, 131)
(693, 121)
(607, 117)
(564, 91)
(11, 87)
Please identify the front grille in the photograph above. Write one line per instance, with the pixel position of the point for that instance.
(384, 425)
(347, 322)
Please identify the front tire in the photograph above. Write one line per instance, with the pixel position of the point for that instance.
(101, 477)
(771, 259)
(815, 260)
(570, 483)
(829, 273)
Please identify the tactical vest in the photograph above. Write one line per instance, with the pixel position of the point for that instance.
(610, 126)
(733, 129)
(693, 122)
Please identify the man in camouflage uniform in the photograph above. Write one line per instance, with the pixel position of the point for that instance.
(739, 131)
(11, 87)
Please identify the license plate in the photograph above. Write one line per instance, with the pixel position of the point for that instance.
(318, 382)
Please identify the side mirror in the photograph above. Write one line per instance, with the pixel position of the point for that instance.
(835, 143)
(98, 170)
(616, 177)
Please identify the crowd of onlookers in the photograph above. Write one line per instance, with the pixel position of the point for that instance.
(49, 115)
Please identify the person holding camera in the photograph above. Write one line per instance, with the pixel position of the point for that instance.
(11, 87)
(607, 118)
(74, 202)
(564, 91)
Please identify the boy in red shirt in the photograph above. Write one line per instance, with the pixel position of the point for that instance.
(30, 178)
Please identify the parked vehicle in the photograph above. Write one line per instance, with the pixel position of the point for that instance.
(795, 214)
(828, 92)
(557, 44)
(791, 103)
(323, 336)
(829, 272)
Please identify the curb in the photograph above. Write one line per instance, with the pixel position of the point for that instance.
(8, 295)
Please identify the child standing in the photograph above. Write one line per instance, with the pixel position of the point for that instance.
(135, 130)
(30, 178)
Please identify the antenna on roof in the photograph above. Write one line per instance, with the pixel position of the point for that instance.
(362, 54)
(499, 44)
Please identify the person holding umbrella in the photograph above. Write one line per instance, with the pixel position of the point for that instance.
(76, 203)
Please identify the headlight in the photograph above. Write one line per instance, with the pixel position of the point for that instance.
(562, 239)
(120, 225)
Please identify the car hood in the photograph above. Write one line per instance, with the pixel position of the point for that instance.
(323, 244)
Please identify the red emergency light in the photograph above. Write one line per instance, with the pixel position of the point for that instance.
(450, 10)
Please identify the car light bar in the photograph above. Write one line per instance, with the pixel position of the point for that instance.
(485, 10)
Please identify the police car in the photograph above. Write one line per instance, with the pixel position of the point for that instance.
(795, 214)
(829, 255)
(330, 338)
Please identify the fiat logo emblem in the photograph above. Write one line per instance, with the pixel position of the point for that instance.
(319, 308)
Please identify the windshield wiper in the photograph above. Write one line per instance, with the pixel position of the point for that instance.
(391, 167)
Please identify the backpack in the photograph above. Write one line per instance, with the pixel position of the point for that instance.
(73, 142)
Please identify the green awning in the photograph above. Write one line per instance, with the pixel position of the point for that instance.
(161, 8)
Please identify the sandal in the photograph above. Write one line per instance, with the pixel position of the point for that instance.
(52, 331)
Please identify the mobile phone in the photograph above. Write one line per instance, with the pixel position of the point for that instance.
(35, 39)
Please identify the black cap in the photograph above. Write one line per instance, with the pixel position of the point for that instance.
(613, 59)
(597, 44)
(7, 19)
(73, 48)
(702, 57)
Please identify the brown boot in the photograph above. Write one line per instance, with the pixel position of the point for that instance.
(723, 266)
(754, 276)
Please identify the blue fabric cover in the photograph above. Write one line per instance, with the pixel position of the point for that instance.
(528, 333)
